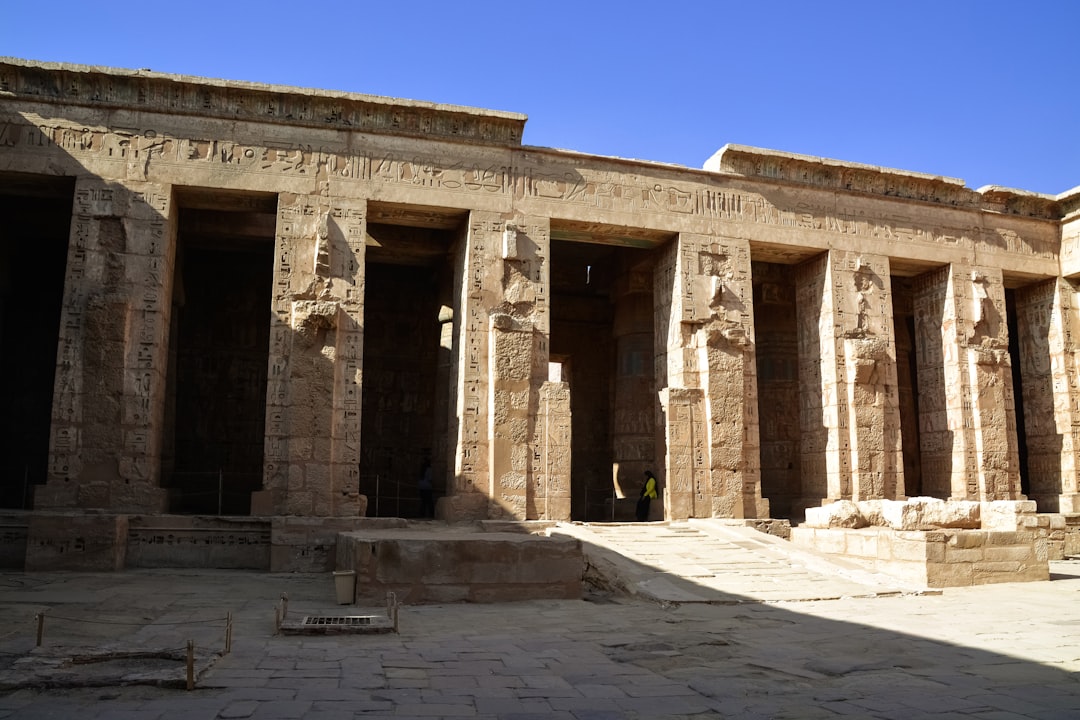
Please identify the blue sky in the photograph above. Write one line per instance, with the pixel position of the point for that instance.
(983, 91)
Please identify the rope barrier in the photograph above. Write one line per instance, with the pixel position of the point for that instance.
(144, 624)
(228, 620)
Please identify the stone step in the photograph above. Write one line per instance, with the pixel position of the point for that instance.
(713, 561)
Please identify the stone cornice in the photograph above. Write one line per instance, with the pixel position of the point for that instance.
(874, 180)
(144, 90)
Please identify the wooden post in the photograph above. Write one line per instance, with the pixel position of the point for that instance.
(40, 627)
(190, 664)
(228, 633)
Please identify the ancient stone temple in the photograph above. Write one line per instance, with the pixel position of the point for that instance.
(246, 310)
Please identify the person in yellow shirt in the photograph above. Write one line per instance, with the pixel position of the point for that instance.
(648, 492)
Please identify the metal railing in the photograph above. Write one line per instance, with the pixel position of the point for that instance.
(385, 494)
(209, 492)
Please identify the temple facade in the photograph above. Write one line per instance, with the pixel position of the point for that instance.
(223, 299)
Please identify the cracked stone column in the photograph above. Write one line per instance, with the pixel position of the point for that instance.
(967, 415)
(316, 351)
(710, 404)
(524, 483)
(1049, 328)
(850, 419)
(500, 414)
(109, 397)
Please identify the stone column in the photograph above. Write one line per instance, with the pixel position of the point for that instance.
(1049, 333)
(316, 352)
(851, 447)
(467, 491)
(551, 453)
(713, 450)
(502, 366)
(109, 397)
(967, 416)
(685, 463)
(518, 367)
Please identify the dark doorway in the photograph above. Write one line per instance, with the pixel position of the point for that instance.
(777, 346)
(1018, 392)
(33, 257)
(213, 456)
(602, 326)
(907, 382)
(408, 281)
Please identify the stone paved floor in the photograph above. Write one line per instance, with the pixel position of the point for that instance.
(996, 652)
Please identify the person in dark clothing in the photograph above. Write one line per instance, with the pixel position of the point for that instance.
(427, 500)
(648, 492)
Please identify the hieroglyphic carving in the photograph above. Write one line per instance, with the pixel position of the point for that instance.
(112, 341)
(141, 148)
(157, 92)
(966, 405)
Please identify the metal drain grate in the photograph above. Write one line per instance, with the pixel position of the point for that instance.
(338, 621)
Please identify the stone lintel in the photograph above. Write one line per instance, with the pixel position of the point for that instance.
(841, 175)
(101, 87)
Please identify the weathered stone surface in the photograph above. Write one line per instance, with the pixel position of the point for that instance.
(176, 541)
(922, 513)
(461, 566)
(72, 541)
(1006, 514)
(942, 558)
(840, 514)
(539, 327)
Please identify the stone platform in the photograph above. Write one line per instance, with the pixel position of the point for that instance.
(440, 563)
(936, 558)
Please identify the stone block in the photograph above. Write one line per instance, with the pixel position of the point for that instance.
(65, 541)
(1005, 514)
(912, 550)
(955, 555)
(862, 543)
(309, 544)
(839, 514)
(934, 549)
(461, 565)
(1019, 537)
(941, 575)
(831, 540)
(185, 541)
(923, 513)
(968, 539)
(871, 512)
(1009, 554)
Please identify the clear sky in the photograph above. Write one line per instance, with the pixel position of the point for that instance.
(985, 91)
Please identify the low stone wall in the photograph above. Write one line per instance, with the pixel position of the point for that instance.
(307, 544)
(196, 541)
(76, 541)
(14, 528)
(451, 565)
(1061, 532)
(936, 558)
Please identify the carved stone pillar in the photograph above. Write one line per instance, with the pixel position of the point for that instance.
(109, 397)
(967, 415)
(1048, 324)
(551, 448)
(518, 368)
(316, 351)
(713, 450)
(851, 446)
(500, 468)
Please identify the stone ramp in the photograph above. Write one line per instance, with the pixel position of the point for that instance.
(717, 561)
